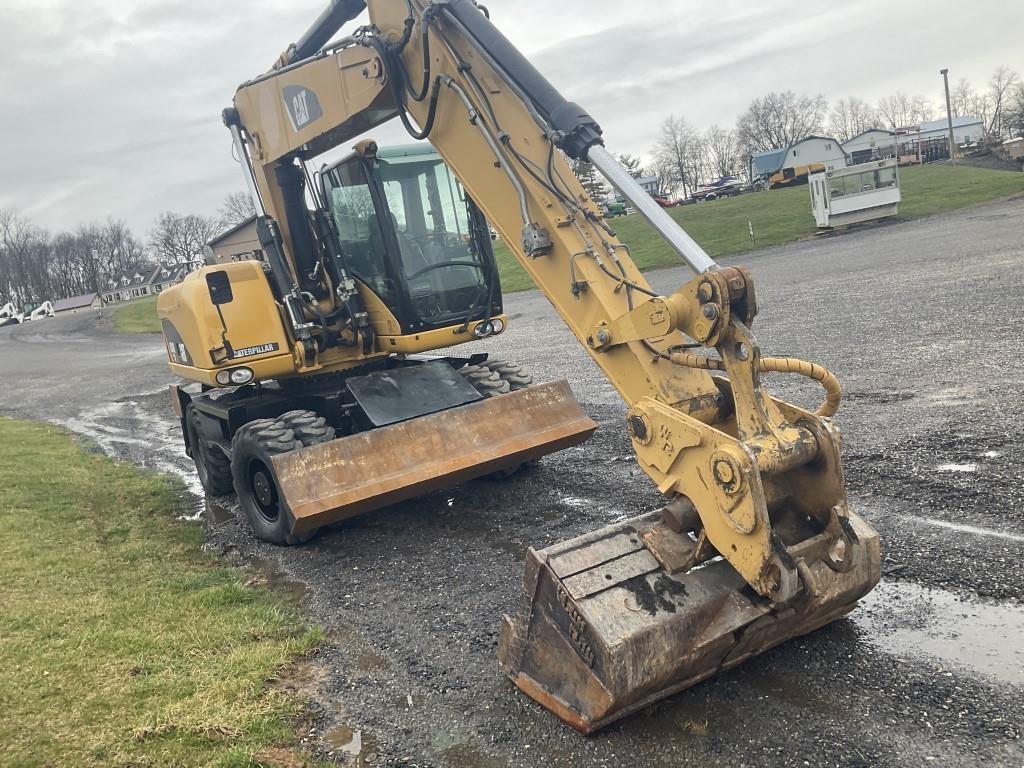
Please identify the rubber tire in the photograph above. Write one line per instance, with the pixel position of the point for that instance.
(259, 441)
(513, 373)
(484, 380)
(212, 466)
(489, 381)
(309, 428)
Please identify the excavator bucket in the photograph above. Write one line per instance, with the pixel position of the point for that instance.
(342, 478)
(605, 628)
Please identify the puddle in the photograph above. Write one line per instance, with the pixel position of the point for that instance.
(575, 502)
(352, 743)
(908, 620)
(957, 468)
(217, 510)
(271, 575)
(973, 530)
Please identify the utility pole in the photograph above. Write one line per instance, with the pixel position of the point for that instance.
(949, 116)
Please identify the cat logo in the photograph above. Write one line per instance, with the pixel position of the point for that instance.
(302, 105)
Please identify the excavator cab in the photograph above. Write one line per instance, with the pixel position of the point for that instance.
(409, 232)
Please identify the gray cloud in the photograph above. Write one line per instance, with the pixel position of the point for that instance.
(113, 108)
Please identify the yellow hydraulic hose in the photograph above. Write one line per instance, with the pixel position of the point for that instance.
(827, 379)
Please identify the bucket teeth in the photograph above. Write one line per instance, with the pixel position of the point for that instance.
(605, 628)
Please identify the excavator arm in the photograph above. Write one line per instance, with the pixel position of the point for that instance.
(755, 491)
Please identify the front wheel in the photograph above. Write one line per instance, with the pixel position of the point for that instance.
(496, 377)
(252, 453)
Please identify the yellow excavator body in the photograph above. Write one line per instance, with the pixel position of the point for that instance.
(318, 403)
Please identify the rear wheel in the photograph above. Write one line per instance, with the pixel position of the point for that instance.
(485, 381)
(514, 374)
(252, 468)
(498, 377)
(212, 466)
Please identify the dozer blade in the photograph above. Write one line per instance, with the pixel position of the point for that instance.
(604, 629)
(326, 483)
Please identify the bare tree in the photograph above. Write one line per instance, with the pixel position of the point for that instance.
(850, 117)
(725, 158)
(1013, 112)
(180, 238)
(36, 266)
(779, 120)
(23, 273)
(962, 97)
(117, 248)
(664, 170)
(633, 165)
(901, 110)
(236, 209)
(1001, 87)
(681, 155)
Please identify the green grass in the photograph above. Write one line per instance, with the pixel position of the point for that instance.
(138, 316)
(784, 215)
(121, 643)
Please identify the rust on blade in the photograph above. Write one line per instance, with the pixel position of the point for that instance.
(352, 475)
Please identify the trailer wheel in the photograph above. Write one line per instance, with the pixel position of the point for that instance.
(212, 466)
(252, 453)
(487, 382)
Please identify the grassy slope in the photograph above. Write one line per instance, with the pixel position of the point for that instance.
(120, 642)
(784, 215)
(137, 316)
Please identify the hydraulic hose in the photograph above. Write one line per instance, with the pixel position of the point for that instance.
(827, 379)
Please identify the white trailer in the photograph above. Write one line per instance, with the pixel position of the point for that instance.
(859, 193)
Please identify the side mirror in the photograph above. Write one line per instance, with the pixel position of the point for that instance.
(219, 287)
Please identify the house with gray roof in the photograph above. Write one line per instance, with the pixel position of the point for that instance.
(137, 283)
(77, 303)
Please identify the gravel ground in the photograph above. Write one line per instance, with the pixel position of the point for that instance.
(921, 321)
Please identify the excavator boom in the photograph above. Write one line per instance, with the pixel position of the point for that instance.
(756, 543)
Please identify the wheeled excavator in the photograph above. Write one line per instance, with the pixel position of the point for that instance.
(319, 400)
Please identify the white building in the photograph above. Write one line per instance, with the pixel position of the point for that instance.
(918, 143)
(872, 144)
(966, 130)
(651, 185)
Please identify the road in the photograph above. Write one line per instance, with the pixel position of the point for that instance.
(921, 321)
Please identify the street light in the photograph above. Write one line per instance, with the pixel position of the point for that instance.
(949, 116)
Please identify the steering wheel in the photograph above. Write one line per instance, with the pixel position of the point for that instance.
(444, 264)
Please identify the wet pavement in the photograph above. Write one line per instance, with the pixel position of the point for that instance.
(921, 321)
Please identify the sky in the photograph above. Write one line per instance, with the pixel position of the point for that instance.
(111, 108)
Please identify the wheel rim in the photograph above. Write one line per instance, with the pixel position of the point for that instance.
(264, 492)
